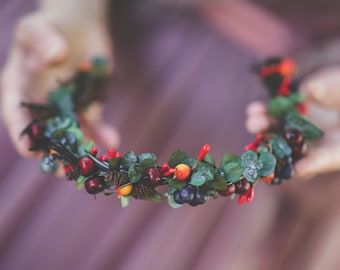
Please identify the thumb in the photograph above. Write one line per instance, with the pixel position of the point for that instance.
(322, 159)
(43, 43)
(324, 87)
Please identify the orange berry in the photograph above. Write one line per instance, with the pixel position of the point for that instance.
(268, 179)
(124, 190)
(182, 172)
(85, 66)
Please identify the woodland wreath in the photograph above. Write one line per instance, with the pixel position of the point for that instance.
(56, 132)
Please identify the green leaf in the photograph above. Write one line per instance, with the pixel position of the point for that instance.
(309, 131)
(81, 179)
(190, 162)
(176, 184)
(247, 157)
(124, 201)
(269, 163)
(207, 170)
(262, 149)
(134, 174)
(209, 159)
(280, 147)
(280, 106)
(218, 183)
(144, 156)
(79, 185)
(63, 100)
(86, 147)
(154, 197)
(145, 164)
(251, 173)
(198, 179)
(232, 171)
(114, 163)
(177, 157)
(76, 132)
(129, 159)
(296, 97)
(172, 202)
(228, 158)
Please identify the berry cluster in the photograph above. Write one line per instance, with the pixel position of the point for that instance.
(55, 131)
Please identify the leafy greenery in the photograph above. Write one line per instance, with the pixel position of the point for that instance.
(309, 131)
(280, 147)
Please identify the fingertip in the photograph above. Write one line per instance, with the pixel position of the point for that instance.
(255, 108)
(108, 135)
(257, 124)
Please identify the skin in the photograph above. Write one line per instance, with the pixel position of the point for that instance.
(46, 46)
(323, 90)
(52, 41)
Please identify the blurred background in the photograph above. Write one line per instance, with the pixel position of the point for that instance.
(184, 80)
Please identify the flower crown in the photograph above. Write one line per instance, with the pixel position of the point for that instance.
(55, 131)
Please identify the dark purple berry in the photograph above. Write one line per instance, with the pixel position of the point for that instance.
(94, 185)
(277, 181)
(242, 186)
(201, 197)
(187, 194)
(177, 197)
(299, 150)
(293, 136)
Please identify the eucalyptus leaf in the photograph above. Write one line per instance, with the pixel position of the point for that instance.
(247, 157)
(228, 158)
(280, 147)
(269, 163)
(232, 171)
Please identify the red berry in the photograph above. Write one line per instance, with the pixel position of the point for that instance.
(299, 150)
(103, 158)
(94, 151)
(86, 166)
(36, 131)
(94, 185)
(203, 152)
(111, 152)
(227, 192)
(242, 186)
(153, 176)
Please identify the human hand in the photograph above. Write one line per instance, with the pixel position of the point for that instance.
(48, 45)
(323, 94)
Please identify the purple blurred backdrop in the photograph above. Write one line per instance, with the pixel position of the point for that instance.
(193, 87)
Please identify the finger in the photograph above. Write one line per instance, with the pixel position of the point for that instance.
(256, 108)
(44, 45)
(13, 81)
(323, 159)
(258, 123)
(324, 87)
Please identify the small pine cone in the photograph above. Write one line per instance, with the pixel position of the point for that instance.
(116, 178)
(73, 174)
(142, 192)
